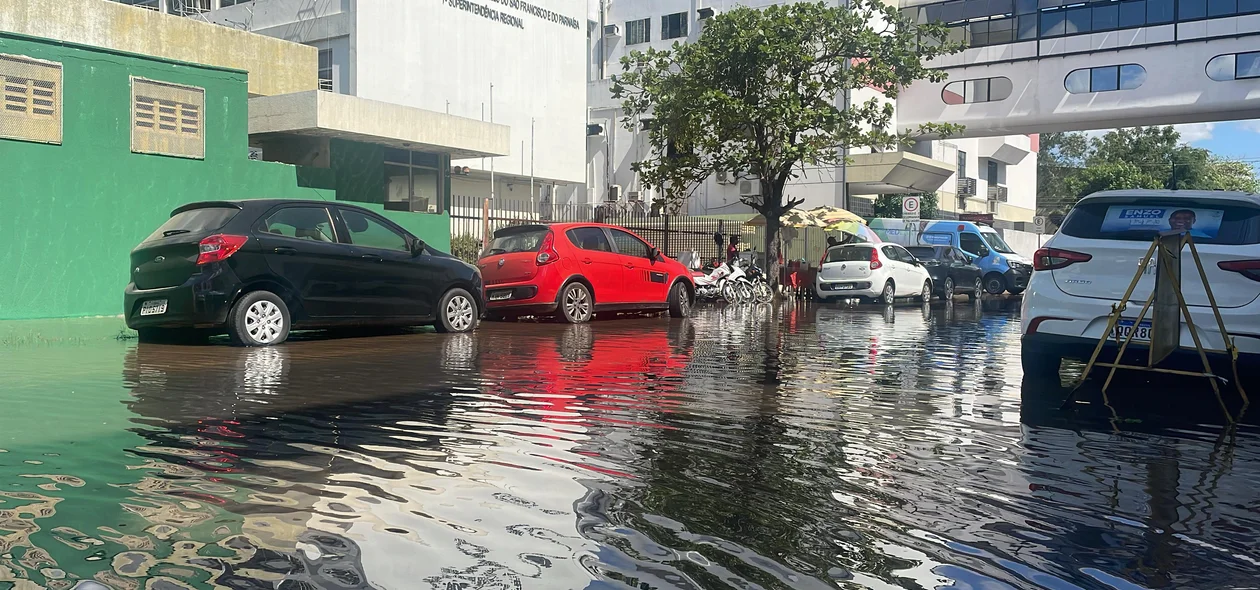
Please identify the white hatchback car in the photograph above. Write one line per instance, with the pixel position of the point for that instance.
(872, 271)
(1088, 265)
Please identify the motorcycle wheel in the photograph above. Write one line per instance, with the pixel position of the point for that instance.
(745, 293)
(762, 293)
(730, 293)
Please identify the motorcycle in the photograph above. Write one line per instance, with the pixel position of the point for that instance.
(728, 281)
(761, 292)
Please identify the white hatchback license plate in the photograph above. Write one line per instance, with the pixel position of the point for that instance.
(1141, 334)
(154, 307)
(841, 287)
(500, 295)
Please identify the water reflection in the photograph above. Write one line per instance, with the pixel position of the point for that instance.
(798, 446)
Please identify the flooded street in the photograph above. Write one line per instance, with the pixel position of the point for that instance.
(804, 447)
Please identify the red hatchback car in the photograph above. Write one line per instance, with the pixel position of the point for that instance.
(574, 270)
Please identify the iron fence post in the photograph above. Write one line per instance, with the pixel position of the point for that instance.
(665, 240)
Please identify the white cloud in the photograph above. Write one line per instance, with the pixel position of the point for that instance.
(1252, 125)
(1195, 132)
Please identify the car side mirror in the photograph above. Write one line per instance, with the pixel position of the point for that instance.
(654, 254)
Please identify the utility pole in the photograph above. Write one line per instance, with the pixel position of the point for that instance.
(492, 157)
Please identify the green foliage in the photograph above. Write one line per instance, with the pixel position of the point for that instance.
(756, 94)
(466, 248)
(889, 206)
(1072, 165)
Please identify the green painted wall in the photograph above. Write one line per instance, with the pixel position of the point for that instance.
(71, 213)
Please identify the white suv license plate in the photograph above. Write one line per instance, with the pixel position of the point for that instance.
(1142, 334)
(153, 307)
(842, 287)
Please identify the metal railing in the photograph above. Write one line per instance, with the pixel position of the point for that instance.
(997, 193)
(966, 187)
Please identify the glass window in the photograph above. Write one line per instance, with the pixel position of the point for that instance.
(1221, 68)
(962, 164)
(1221, 7)
(200, 220)
(971, 243)
(951, 12)
(1247, 65)
(1028, 27)
(1159, 11)
(1078, 20)
(975, 9)
(849, 254)
(890, 253)
(1132, 14)
(1049, 3)
(1191, 9)
(1077, 82)
(517, 239)
(933, 12)
(370, 233)
(979, 33)
(1001, 31)
(953, 92)
(1025, 6)
(1106, 17)
(589, 238)
(1000, 88)
(1248, 6)
(638, 31)
(674, 26)
(1052, 23)
(325, 70)
(926, 253)
(977, 91)
(1132, 76)
(1000, 7)
(1104, 79)
(629, 245)
(412, 182)
(991, 172)
(1239, 225)
(996, 243)
(303, 223)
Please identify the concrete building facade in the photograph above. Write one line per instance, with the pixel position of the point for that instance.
(992, 175)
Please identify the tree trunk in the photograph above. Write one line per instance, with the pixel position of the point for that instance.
(772, 248)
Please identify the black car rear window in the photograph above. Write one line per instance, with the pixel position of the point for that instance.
(510, 241)
(925, 253)
(1236, 225)
(193, 221)
(849, 254)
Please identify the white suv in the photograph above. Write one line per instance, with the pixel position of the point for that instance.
(1089, 264)
(872, 271)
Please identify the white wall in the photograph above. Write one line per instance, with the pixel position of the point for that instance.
(1177, 89)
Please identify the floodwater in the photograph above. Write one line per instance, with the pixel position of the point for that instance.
(801, 447)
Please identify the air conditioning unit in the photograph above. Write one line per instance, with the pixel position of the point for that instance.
(750, 188)
(705, 13)
(632, 197)
(614, 193)
(594, 129)
(725, 177)
(612, 31)
(966, 187)
(646, 123)
(993, 206)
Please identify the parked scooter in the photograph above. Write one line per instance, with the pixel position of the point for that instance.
(727, 281)
(761, 292)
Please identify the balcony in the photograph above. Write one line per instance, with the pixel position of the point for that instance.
(998, 193)
(966, 187)
(1007, 149)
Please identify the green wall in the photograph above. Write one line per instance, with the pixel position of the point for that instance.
(71, 213)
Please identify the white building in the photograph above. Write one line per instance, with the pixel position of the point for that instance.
(975, 175)
(445, 56)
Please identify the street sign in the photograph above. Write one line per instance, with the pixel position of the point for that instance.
(1039, 224)
(910, 208)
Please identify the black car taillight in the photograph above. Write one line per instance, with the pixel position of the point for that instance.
(219, 247)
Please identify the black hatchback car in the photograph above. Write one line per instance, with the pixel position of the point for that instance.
(258, 268)
(953, 271)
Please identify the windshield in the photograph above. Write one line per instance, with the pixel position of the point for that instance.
(194, 221)
(996, 243)
(517, 241)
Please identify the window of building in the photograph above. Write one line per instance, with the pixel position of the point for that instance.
(674, 26)
(371, 233)
(412, 181)
(1105, 79)
(991, 173)
(981, 23)
(1234, 66)
(325, 70)
(302, 223)
(638, 31)
(167, 119)
(30, 99)
(629, 245)
(981, 90)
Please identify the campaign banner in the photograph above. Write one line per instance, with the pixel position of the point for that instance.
(1201, 223)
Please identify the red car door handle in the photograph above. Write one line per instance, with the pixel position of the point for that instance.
(629, 265)
(586, 261)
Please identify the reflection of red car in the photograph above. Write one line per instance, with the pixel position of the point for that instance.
(573, 270)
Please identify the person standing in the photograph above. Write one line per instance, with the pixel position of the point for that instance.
(732, 250)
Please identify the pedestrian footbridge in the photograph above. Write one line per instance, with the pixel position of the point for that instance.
(1054, 65)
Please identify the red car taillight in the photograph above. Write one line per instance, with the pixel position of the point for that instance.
(1053, 258)
(219, 247)
(547, 252)
(1246, 268)
(875, 263)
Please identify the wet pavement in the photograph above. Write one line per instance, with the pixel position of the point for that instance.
(799, 447)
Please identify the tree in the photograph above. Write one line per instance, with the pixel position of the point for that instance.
(1232, 175)
(757, 95)
(889, 206)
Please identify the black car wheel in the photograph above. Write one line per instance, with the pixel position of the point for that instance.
(888, 295)
(576, 303)
(994, 283)
(457, 312)
(679, 301)
(977, 290)
(948, 292)
(259, 318)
